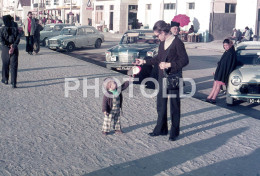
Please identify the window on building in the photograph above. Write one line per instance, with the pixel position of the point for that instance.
(111, 7)
(169, 6)
(192, 5)
(133, 7)
(99, 7)
(56, 2)
(48, 2)
(148, 6)
(230, 8)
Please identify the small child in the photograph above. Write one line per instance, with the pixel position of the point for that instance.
(112, 104)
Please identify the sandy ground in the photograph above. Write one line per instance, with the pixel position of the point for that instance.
(42, 132)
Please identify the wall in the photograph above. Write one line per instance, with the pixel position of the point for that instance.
(246, 14)
(149, 17)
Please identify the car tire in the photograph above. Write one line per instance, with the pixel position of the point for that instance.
(44, 42)
(229, 100)
(98, 43)
(70, 47)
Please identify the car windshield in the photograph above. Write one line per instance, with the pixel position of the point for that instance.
(68, 31)
(139, 38)
(48, 28)
(248, 57)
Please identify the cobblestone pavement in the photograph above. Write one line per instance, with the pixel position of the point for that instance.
(42, 132)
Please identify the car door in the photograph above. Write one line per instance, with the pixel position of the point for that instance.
(80, 37)
(90, 36)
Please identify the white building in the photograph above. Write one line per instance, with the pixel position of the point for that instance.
(213, 19)
(116, 15)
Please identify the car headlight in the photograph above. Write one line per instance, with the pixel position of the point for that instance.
(108, 56)
(150, 53)
(236, 80)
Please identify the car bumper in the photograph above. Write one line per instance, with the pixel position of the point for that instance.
(119, 66)
(61, 47)
(248, 98)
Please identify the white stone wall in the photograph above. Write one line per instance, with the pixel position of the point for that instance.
(246, 14)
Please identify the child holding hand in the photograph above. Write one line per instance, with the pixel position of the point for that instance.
(112, 103)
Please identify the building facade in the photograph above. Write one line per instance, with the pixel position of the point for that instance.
(214, 19)
(115, 15)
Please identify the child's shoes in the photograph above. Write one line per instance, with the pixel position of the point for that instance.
(118, 132)
(104, 133)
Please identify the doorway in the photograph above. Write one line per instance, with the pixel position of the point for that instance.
(111, 20)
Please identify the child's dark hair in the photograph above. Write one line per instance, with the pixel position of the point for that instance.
(162, 26)
(228, 41)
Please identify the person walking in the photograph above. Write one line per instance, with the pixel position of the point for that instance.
(225, 66)
(36, 44)
(9, 38)
(171, 57)
(29, 28)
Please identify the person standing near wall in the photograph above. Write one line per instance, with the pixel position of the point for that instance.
(29, 28)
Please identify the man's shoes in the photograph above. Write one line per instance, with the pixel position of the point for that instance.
(173, 138)
(153, 134)
(5, 82)
(14, 86)
(30, 53)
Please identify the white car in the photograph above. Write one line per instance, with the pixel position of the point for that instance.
(244, 81)
(76, 37)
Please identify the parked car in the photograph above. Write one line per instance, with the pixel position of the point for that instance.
(76, 37)
(138, 43)
(244, 81)
(51, 30)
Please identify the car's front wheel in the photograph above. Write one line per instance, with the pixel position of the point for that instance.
(70, 47)
(98, 43)
(44, 42)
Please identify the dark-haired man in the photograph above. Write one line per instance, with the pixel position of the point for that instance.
(29, 28)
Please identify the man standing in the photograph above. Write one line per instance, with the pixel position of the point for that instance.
(36, 45)
(9, 38)
(29, 28)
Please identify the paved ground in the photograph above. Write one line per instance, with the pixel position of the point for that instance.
(42, 132)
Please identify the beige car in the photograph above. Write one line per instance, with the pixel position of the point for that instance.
(76, 37)
(244, 81)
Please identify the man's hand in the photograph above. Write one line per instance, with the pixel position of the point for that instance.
(11, 50)
(105, 113)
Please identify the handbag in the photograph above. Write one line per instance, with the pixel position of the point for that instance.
(172, 80)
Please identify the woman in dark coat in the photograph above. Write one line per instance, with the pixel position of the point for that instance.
(9, 38)
(172, 57)
(225, 66)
